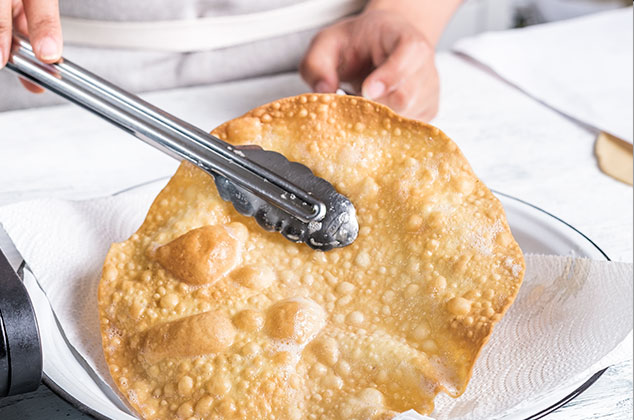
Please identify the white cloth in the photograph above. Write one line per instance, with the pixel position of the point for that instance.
(581, 67)
(172, 44)
(569, 317)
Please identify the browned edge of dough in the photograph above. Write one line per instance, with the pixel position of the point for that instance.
(415, 126)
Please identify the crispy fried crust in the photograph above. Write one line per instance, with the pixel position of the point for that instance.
(234, 322)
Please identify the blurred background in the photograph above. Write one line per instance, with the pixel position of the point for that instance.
(139, 68)
(477, 16)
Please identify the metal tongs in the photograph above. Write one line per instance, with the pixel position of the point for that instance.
(282, 196)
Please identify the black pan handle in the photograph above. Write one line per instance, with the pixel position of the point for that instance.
(20, 346)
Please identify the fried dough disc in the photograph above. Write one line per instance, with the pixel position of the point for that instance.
(206, 316)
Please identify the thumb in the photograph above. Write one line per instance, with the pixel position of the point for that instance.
(319, 66)
(45, 31)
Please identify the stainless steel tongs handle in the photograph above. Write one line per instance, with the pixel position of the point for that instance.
(164, 131)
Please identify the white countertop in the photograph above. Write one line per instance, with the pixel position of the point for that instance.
(515, 144)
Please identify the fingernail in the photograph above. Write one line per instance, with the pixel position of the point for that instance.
(1, 59)
(374, 90)
(47, 49)
(322, 87)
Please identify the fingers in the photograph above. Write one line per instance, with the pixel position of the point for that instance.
(425, 106)
(45, 24)
(30, 86)
(45, 32)
(20, 25)
(6, 19)
(391, 62)
(19, 19)
(408, 57)
(406, 79)
(417, 95)
(319, 66)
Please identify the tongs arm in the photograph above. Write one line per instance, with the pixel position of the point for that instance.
(163, 130)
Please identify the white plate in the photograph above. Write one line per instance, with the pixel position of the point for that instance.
(536, 231)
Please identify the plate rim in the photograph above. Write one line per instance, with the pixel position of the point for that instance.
(84, 409)
(590, 381)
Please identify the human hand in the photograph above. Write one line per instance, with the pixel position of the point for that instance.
(39, 19)
(385, 58)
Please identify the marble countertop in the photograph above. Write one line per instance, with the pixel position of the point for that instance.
(515, 144)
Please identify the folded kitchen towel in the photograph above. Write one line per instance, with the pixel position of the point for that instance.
(572, 316)
(580, 67)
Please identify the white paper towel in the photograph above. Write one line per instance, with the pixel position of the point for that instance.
(580, 67)
(570, 315)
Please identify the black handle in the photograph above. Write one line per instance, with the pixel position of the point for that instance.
(20, 347)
